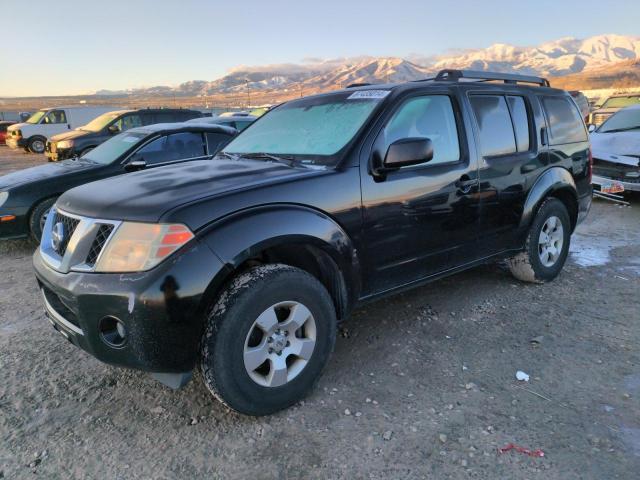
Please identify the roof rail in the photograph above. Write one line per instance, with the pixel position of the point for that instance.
(355, 85)
(455, 76)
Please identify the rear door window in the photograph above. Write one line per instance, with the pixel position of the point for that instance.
(520, 120)
(494, 122)
(565, 122)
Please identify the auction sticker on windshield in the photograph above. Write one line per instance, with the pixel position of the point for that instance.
(368, 94)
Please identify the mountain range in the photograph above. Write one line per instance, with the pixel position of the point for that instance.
(601, 55)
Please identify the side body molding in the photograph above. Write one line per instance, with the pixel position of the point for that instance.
(243, 235)
(552, 180)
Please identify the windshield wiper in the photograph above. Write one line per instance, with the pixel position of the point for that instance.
(615, 130)
(274, 158)
(232, 156)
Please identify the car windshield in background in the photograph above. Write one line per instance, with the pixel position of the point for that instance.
(110, 150)
(311, 130)
(628, 119)
(97, 124)
(621, 102)
(36, 117)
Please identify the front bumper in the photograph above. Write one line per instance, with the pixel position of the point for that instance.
(13, 142)
(16, 228)
(628, 186)
(56, 154)
(162, 309)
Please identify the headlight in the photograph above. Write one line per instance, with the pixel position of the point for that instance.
(65, 144)
(136, 247)
(3, 197)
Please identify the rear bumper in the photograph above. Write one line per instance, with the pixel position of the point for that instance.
(161, 309)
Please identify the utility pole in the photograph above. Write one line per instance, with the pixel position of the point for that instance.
(246, 80)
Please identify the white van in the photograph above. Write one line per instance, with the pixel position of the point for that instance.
(34, 133)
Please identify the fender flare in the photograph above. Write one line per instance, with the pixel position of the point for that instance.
(242, 235)
(551, 181)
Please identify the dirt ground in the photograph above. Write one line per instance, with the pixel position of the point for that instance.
(421, 385)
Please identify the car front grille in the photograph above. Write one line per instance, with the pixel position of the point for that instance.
(69, 227)
(98, 244)
(73, 242)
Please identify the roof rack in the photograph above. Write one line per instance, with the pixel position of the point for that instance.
(455, 76)
(355, 85)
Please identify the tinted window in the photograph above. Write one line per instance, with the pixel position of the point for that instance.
(520, 122)
(55, 117)
(496, 131)
(426, 117)
(179, 146)
(565, 122)
(216, 141)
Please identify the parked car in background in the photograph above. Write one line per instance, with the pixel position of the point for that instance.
(244, 265)
(15, 117)
(237, 121)
(582, 102)
(616, 152)
(33, 134)
(611, 105)
(26, 196)
(3, 130)
(85, 138)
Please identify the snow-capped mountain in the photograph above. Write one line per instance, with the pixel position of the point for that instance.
(564, 56)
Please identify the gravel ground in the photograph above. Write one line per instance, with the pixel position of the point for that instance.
(421, 385)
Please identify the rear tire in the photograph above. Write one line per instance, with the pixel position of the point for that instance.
(37, 144)
(38, 217)
(255, 358)
(547, 245)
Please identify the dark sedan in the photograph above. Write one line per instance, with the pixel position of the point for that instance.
(26, 196)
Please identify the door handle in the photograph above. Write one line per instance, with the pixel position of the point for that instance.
(465, 184)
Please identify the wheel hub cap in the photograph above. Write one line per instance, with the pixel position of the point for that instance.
(550, 241)
(279, 344)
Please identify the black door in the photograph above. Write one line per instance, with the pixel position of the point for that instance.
(423, 219)
(511, 160)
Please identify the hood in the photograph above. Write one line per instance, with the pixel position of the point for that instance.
(44, 172)
(145, 196)
(603, 145)
(70, 135)
(17, 126)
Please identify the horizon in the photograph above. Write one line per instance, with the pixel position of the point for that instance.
(124, 48)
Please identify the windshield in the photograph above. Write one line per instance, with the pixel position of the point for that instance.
(627, 119)
(97, 124)
(621, 102)
(311, 130)
(109, 151)
(36, 117)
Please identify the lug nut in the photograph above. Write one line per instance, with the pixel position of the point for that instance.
(271, 350)
(269, 340)
(288, 343)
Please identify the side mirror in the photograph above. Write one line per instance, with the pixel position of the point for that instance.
(113, 129)
(404, 152)
(591, 127)
(135, 165)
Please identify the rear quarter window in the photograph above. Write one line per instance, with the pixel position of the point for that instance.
(565, 121)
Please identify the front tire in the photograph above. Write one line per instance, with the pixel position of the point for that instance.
(39, 217)
(267, 339)
(547, 245)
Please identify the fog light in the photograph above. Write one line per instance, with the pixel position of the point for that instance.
(112, 332)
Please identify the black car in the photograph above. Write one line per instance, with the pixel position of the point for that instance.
(244, 265)
(26, 196)
(84, 139)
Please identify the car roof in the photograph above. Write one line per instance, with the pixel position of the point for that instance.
(161, 128)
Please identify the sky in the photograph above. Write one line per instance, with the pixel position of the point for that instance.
(64, 47)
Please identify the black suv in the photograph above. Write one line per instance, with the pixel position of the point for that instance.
(245, 264)
(84, 139)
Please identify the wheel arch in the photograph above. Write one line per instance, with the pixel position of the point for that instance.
(294, 235)
(555, 182)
